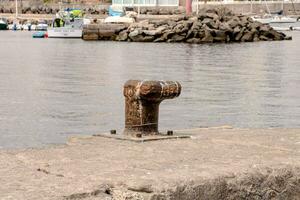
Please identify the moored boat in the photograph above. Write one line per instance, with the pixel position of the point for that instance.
(268, 19)
(283, 19)
(39, 34)
(67, 24)
(291, 28)
(65, 32)
(3, 24)
(27, 26)
(118, 14)
(41, 26)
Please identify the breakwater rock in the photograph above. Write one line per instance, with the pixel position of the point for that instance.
(210, 26)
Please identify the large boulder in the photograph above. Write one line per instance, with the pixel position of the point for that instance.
(240, 34)
(168, 34)
(243, 21)
(147, 39)
(136, 38)
(248, 36)
(255, 25)
(225, 27)
(171, 24)
(213, 16)
(160, 39)
(158, 23)
(210, 23)
(276, 35)
(208, 38)
(178, 28)
(134, 33)
(194, 40)
(178, 38)
(220, 36)
(122, 36)
(153, 32)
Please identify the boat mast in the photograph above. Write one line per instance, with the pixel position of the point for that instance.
(293, 6)
(267, 7)
(16, 9)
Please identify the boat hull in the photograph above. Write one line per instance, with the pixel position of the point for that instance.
(39, 34)
(275, 20)
(284, 20)
(3, 26)
(64, 33)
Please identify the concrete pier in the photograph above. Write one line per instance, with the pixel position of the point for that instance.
(215, 163)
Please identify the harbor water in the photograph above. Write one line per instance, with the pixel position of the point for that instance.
(51, 89)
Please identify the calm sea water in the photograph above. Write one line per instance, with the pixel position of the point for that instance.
(53, 88)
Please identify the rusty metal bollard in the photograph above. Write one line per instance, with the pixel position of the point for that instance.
(142, 99)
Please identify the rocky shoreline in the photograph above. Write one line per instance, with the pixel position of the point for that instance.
(210, 26)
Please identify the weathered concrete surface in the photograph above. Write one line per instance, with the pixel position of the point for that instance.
(217, 163)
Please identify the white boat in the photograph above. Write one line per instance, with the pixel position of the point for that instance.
(119, 15)
(64, 32)
(41, 26)
(15, 27)
(282, 28)
(33, 26)
(67, 24)
(27, 26)
(291, 28)
(3, 24)
(263, 20)
(274, 19)
(283, 19)
(296, 28)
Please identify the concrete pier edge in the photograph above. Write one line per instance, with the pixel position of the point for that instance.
(216, 163)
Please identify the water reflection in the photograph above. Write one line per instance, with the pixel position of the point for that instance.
(50, 89)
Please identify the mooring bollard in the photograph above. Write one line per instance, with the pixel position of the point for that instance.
(142, 99)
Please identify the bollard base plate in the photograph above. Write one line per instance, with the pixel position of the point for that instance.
(144, 138)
